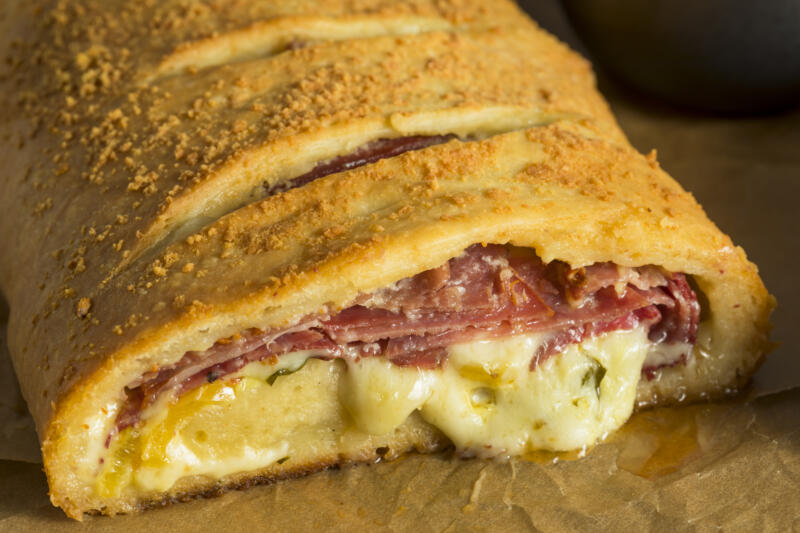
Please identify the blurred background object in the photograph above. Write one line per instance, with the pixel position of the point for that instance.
(726, 56)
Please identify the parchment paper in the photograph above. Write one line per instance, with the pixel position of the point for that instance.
(733, 465)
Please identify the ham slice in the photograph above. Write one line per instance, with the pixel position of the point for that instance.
(488, 292)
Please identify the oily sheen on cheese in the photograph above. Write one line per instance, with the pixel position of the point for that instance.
(485, 399)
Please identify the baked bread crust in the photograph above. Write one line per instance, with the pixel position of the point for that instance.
(136, 140)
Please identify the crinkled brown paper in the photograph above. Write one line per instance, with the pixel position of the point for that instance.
(734, 465)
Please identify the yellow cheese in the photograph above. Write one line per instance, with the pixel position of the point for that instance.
(235, 424)
(485, 399)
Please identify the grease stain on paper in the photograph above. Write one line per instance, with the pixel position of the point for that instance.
(651, 443)
(658, 442)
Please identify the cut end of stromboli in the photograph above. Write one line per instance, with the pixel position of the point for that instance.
(269, 239)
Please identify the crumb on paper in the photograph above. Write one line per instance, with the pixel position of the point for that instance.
(83, 307)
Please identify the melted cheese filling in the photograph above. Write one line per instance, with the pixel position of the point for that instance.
(485, 399)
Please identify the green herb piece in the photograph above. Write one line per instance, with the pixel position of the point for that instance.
(282, 460)
(284, 372)
(595, 376)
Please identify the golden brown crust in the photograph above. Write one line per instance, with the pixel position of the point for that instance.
(120, 158)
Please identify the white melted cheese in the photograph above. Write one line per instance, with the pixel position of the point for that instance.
(485, 399)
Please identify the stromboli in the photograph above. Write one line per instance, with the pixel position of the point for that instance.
(185, 252)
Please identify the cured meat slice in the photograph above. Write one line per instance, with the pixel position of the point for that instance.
(369, 153)
(488, 292)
